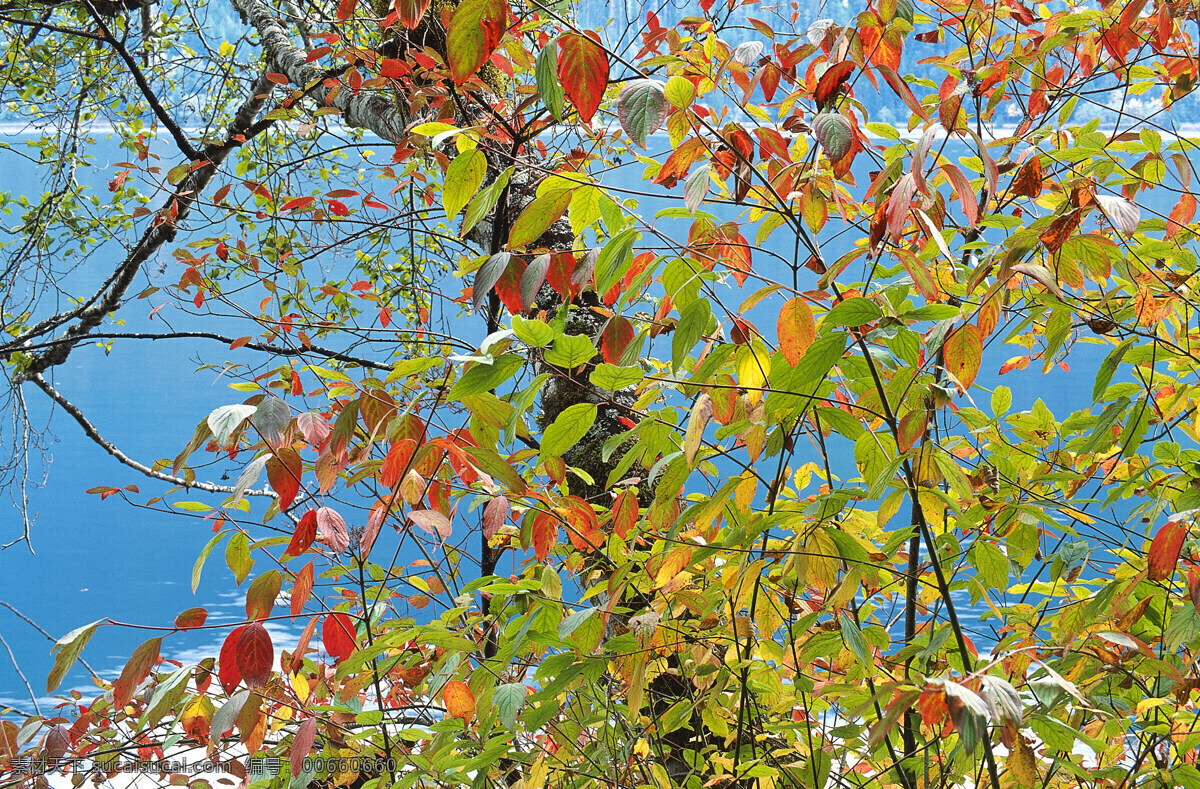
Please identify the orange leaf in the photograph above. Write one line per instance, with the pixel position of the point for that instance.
(1183, 213)
(1028, 182)
(545, 535)
(964, 352)
(459, 700)
(396, 463)
(301, 589)
(283, 472)
(797, 329)
(1164, 550)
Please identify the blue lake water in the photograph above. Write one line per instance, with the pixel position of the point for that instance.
(106, 559)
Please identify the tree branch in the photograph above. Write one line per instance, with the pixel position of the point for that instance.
(364, 110)
(90, 430)
(156, 106)
(278, 350)
(161, 231)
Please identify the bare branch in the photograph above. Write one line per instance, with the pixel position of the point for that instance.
(110, 448)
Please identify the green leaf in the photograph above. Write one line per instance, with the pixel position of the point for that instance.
(532, 331)
(693, 324)
(482, 204)
(854, 311)
(611, 377)
(66, 651)
(463, 179)
(835, 133)
(198, 567)
(641, 108)
(574, 620)
(991, 563)
(485, 377)
(237, 556)
(472, 35)
(570, 351)
(509, 699)
(537, 218)
(614, 260)
(1108, 368)
(546, 74)
(568, 427)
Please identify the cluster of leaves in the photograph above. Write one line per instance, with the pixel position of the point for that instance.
(830, 543)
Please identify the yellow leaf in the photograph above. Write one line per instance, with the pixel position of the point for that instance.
(1022, 764)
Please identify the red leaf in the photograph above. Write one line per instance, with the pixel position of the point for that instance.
(346, 9)
(832, 80)
(583, 70)
(508, 287)
(615, 338)
(410, 13)
(396, 463)
(302, 588)
(302, 745)
(306, 532)
(1164, 550)
(136, 670)
(332, 529)
(229, 674)
(255, 655)
(302, 646)
(283, 472)
(338, 636)
(545, 535)
(193, 617)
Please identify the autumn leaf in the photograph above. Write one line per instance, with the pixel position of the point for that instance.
(1164, 550)
(338, 636)
(193, 617)
(410, 13)
(459, 701)
(1028, 182)
(797, 329)
(964, 353)
(474, 31)
(583, 70)
(255, 655)
(136, 669)
(228, 672)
